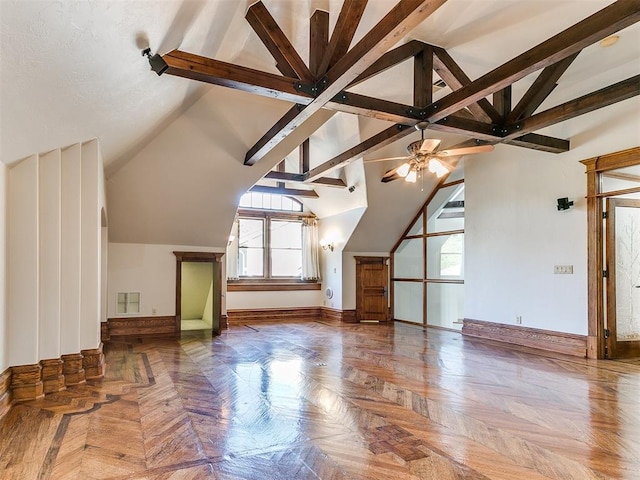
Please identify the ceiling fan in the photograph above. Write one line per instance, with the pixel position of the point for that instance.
(424, 154)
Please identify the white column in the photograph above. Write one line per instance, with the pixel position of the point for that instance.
(91, 234)
(71, 198)
(23, 262)
(49, 254)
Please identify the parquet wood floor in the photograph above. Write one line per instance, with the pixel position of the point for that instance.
(297, 401)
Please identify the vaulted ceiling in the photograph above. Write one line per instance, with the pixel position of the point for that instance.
(74, 70)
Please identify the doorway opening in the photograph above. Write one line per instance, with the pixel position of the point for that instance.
(198, 291)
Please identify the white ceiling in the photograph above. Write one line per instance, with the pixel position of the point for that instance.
(72, 70)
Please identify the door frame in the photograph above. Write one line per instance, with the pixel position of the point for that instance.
(360, 260)
(595, 243)
(215, 259)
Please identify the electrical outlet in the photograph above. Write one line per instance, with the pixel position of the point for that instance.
(563, 269)
(153, 311)
(519, 320)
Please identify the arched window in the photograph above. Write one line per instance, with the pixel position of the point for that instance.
(268, 201)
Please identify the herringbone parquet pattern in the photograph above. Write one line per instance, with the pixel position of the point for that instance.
(328, 401)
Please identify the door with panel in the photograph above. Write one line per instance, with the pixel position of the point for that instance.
(623, 278)
(372, 287)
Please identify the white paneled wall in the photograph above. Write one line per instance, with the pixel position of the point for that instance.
(49, 254)
(54, 253)
(70, 273)
(23, 262)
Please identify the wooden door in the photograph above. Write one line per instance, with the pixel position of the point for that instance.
(623, 278)
(372, 289)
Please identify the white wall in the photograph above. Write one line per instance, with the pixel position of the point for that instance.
(148, 269)
(514, 234)
(257, 300)
(4, 362)
(336, 229)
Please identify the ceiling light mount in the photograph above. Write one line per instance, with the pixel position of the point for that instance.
(156, 61)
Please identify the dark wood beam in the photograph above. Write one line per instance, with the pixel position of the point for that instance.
(304, 157)
(455, 78)
(287, 59)
(292, 192)
(457, 124)
(300, 178)
(541, 88)
(542, 143)
(342, 35)
(318, 40)
(267, 84)
(402, 18)
(587, 103)
(423, 77)
(502, 101)
(390, 59)
(607, 21)
(196, 67)
(372, 144)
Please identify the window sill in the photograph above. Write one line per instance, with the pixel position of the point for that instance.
(240, 286)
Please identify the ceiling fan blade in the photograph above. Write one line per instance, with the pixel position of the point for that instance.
(465, 150)
(391, 175)
(376, 160)
(429, 145)
(391, 178)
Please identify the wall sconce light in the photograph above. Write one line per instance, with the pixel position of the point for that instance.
(326, 245)
(564, 204)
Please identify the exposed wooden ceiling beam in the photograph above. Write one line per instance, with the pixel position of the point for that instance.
(300, 178)
(287, 59)
(457, 124)
(601, 24)
(213, 71)
(346, 26)
(372, 144)
(318, 40)
(587, 103)
(292, 192)
(502, 101)
(196, 67)
(423, 77)
(455, 78)
(542, 143)
(402, 18)
(391, 58)
(541, 88)
(304, 157)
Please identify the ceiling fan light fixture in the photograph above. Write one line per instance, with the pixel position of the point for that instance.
(403, 170)
(412, 176)
(437, 167)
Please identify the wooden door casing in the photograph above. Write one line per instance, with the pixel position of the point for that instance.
(372, 289)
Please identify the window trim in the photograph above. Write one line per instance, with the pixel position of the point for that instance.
(268, 282)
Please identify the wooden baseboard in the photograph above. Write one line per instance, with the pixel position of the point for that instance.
(559, 342)
(344, 316)
(5, 392)
(311, 314)
(138, 326)
(23, 383)
(274, 314)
